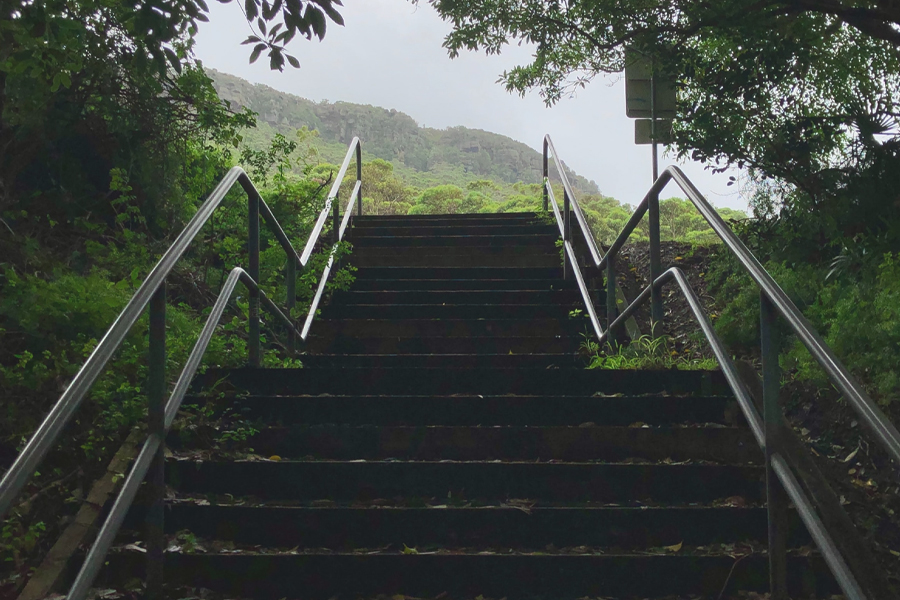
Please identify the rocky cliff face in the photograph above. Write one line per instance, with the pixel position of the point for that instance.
(393, 135)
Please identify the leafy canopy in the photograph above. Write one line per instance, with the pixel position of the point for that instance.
(803, 92)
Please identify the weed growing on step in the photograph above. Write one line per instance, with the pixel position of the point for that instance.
(643, 353)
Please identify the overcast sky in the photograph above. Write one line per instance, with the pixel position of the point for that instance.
(389, 54)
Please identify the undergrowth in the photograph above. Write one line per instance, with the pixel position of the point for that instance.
(855, 308)
(644, 352)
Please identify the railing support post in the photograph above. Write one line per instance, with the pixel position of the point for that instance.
(359, 180)
(656, 303)
(776, 497)
(546, 173)
(567, 234)
(290, 282)
(253, 250)
(336, 220)
(156, 398)
(610, 295)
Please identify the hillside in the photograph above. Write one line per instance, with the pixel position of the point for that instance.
(422, 156)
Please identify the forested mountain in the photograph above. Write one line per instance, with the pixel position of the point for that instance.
(422, 156)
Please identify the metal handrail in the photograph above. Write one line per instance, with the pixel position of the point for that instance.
(798, 496)
(41, 441)
(152, 293)
(572, 259)
(338, 227)
(97, 554)
(774, 302)
(565, 230)
(885, 431)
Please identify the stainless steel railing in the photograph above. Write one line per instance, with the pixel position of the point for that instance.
(151, 295)
(782, 484)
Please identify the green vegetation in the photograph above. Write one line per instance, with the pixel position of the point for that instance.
(644, 352)
(804, 96)
(110, 137)
(854, 304)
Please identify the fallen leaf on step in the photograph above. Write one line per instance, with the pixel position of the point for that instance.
(851, 456)
(275, 458)
(408, 550)
(674, 547)
(895, 553)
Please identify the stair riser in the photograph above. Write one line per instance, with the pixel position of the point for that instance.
(445, 345)
(443, 361)
(454, 311)
(475, 230)
(333, 442)
(362, 260)
(564, 482)
(491, 251)
(441, 297)
(473, 219)
(420, 382)
(327, 576)
(425, 328)
(346, 528)
(438, 239)
(378, 285)
(489, 410)
(463, 272)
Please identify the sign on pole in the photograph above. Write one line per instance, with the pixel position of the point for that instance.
(643, 131)
(638, 83)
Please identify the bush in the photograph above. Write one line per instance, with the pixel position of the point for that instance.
(857, 313)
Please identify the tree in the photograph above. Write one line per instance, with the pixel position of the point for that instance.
(439, 200)
(804, 92)
(388, 195)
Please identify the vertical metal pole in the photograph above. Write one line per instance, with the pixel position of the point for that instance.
(156, 398)
(290, 281)
(567, 233)
(653, 145)
(776, 497)
(610, 294)
(546, 179)
(253, 250)
(336, 219)
(656, 304)
(359, 178)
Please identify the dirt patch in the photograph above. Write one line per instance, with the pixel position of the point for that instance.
(679, 323)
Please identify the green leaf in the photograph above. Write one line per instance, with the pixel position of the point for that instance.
(333, 13)
(293, 60)
(252, 10)
(316, 19)
(257, 50)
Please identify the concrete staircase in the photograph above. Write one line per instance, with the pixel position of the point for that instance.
(444, 436)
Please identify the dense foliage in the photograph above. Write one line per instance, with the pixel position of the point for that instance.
(110, 137)
(802, 94)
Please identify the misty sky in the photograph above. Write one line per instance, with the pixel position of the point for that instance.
(389, 54)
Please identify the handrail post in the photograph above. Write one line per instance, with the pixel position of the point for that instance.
(656, 304)
(546, 174)
(610, 295)
(253, 250)
(359, 179)
(290, 282)
(156, 398)
(776, 497)
(336, 220)
(567, 231)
